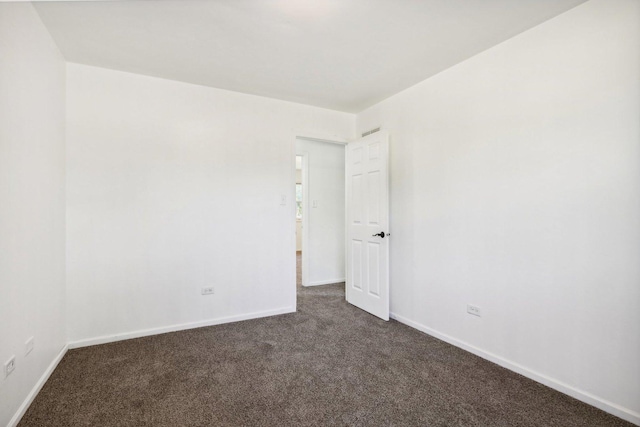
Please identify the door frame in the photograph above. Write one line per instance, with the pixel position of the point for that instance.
(307, 135)
(305, 217)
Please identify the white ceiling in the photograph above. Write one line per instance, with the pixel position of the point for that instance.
(340, 54)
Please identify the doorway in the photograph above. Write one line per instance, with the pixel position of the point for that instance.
(320, 212)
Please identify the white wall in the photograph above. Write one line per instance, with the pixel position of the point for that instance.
(325, 222)
(515, 186)
(172, 187)
(32, 226)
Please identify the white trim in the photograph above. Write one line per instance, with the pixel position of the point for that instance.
(305, 217)
(612, 408)
(346, 223)
(319, 136)
(328, 141)
(325, 282)
(179, 327)
(37, 387)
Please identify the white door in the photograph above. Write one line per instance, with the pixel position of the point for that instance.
(367, 194)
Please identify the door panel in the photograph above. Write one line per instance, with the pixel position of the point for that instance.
(367, 195)
(356, 273)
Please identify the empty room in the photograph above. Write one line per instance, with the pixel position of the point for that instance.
(320, 213)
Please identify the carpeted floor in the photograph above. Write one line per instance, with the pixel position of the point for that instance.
(327, 364)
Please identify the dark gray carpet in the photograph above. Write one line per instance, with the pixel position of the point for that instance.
(327, 364)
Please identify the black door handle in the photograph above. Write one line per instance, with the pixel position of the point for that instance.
(381, 234)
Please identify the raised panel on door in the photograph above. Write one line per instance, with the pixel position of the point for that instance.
(356, 202)
(373, 258)
(373, 203)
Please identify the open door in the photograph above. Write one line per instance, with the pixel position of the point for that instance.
(367, 203)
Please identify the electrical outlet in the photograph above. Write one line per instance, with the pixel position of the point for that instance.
(475, 310)
(28, 346)
(9, 366)
(207, 291)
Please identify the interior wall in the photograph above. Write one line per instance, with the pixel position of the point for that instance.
(515, 186)
(173, 187)
(32, 213)
(324, 212)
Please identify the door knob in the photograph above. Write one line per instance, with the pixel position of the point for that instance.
(382, 234)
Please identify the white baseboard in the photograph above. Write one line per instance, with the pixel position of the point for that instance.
(180, 327)
(36, 388)
(326, 282)
(612, 408)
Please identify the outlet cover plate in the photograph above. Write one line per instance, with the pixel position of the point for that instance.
(9, 366)
(474, 310)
